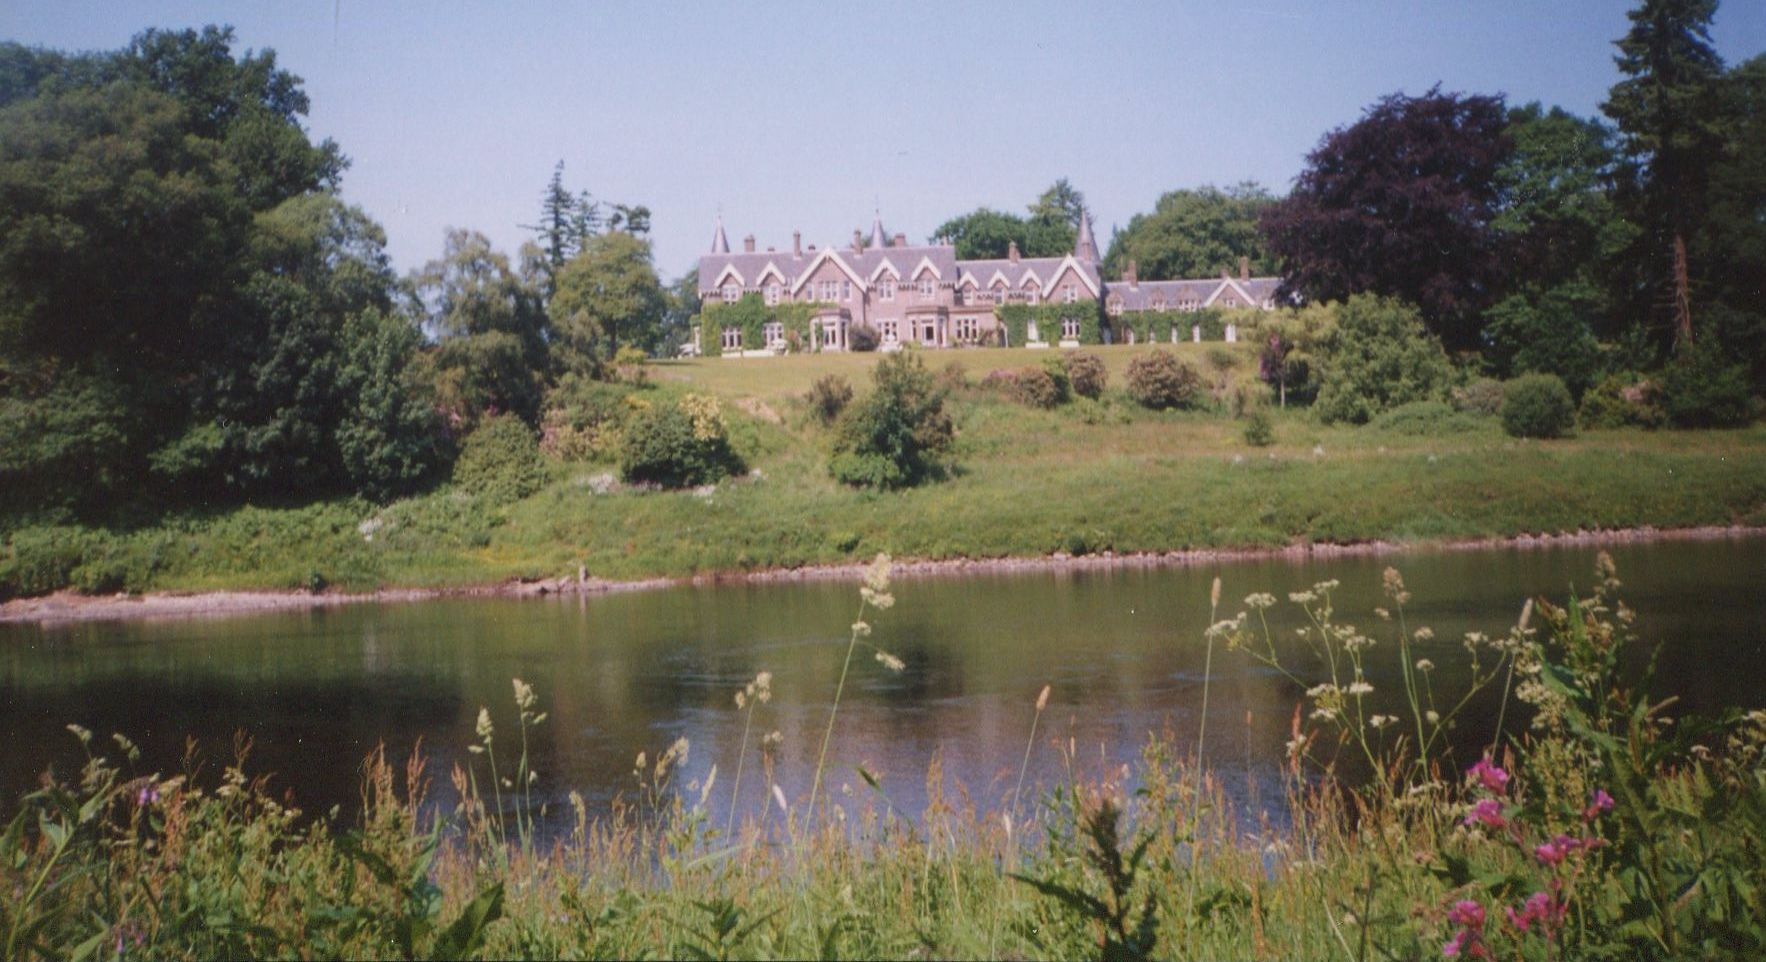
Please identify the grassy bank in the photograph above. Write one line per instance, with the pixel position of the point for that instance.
(1084, 478)
(1605, 833)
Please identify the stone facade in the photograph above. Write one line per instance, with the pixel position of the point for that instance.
(921, 294)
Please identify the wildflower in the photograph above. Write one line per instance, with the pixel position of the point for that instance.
(1260, 600)
(890, 662)
(1424, 665)
(1432, 716)
(83, 734)
(876, 588)
(772, 741)
(1214, 593)
(1382, 614)
(1467, 913)
(1488, 813)
(1393, 584)
(1302, 597)
(1326, 587)
(763, 687)
(1359, 687)
(1469, 916)
(1598, 804)
(1425, 633)
(1526, 615)
(861, 629)
(1324, 714)
(1494, 779)
(1042, 700)
(524, 696)
(1381, 721)
(484, 729)
(1539, 909)
(742, 699)
(148, 795)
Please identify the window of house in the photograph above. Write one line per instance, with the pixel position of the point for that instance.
(772, 294)
(888, 331)
(1158, 303)
(1069, 328)
(732, 338)
(731, 293)
(926, 287)
(1030, 332)
(846, 290)
(967, 329)
(1070, 294)
(886, 290)
(831, 334)
(1031, 293)
(999, 295)
(825, 290)
(1115, 307)
(774, 333)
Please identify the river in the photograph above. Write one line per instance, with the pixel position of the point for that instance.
(1123, 650)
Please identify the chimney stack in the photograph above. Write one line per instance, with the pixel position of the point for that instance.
(1012, 252)
(797, 243)
(1244, 268)
(901, 240)
(748, 244)
(1131, 275)
(858, 240)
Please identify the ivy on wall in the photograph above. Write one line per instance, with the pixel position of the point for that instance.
(751, 315)
(1048, 318)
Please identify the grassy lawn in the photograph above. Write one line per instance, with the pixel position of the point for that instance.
(1085, 478)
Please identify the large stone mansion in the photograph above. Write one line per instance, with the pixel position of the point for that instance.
(924, 295)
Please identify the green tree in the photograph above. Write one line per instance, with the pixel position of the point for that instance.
(607, 297)
(1195, 233)
(1667, 110)
(1049, 231)
(1556, 215)
(1377, 356)
(491, 327)
(1548, 332)
(1061, 203)
(895, 436)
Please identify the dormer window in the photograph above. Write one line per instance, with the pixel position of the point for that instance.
(731, 293)
(886, 290)
(772, 294)
(1158, 303)
(1115, 307)
(1070, 294)
(926, 287)
(1031, 292)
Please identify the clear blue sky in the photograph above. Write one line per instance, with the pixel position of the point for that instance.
(802, 115)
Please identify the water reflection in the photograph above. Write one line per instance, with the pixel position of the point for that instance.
(1123, 651)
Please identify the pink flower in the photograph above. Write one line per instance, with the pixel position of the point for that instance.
(1494, 779)
(1539, 909)
(1554, 851)
(1488, 813)
(1467, 913)
(1598, 804)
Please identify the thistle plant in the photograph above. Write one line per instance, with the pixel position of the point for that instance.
(873, 594)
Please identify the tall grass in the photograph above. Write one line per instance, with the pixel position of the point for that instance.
(1601, 831)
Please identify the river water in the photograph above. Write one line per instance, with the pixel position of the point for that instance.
(1123, 650)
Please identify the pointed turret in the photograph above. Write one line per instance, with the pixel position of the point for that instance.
(719, 243)
(878, 238)
(1085, 248)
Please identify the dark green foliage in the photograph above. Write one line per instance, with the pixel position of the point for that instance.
(1622, 400)
(1545, 333)
(492, 357)
(678, 445)
(1704, 388)
(1049, 319)
(605, 298)
(500, 461)
(1377, 357)
(828, 397)
(1056, 369)
(862, 337)
(750, 315)
(1086, 372)
(1049, 231)
(1125, 915)
(897, 435)
(1537, 406)
(389, 438)
(1483, 396)
(1160, 380)
(1259, 429)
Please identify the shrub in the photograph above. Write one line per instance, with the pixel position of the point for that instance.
(1086, 372)
(1545, 333)
(1378, 356)
(1003, 380)
(862, 337)
(678, 444)
(629, 366)
(1160, 380)
(1537, 406)
(896, 435)
(1222, 359)
(1433, 419)
(1259, 429)
(1034, 387)
(501, 460)
(1057, 372)
(828, 397)
(953, 377)
(1482, 396)
(1622, 400)
(1702, 388)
